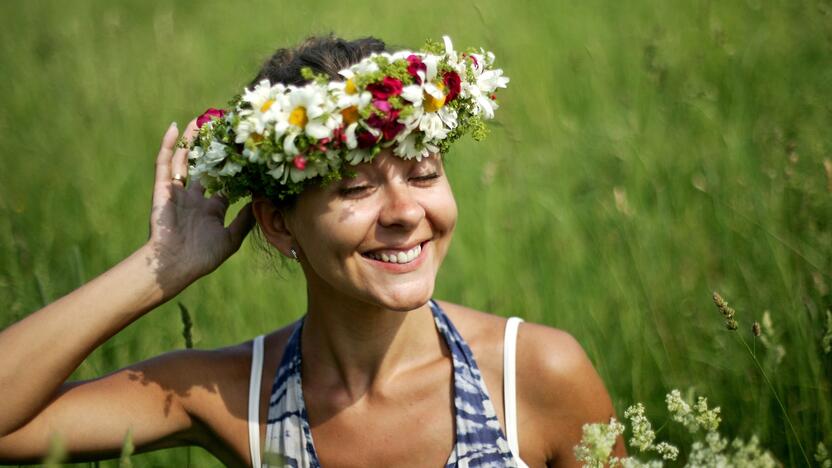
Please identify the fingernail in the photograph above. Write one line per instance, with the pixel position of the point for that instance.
(173, 124)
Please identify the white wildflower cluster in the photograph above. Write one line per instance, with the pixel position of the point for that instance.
(714, 450)
(713, 453)
(643, 436)
(822, 456)
(597, 443)
(695, 416)
(279, 136)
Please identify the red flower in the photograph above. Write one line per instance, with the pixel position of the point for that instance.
(414, 66)
(452, 85)
(299, 162)
(339, 136)
(388, 124)
(385, 88)
(209, 115)
(365, 139)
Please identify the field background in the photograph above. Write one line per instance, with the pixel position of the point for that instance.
(646, 154)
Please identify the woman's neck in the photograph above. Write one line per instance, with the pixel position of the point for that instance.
(358, 347)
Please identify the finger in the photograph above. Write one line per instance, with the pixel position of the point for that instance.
(241, 226)
(179, 164)
(196, 186)
(166, 153)
(217, 205)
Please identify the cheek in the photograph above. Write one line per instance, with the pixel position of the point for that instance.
(443, 214)
(341, 231)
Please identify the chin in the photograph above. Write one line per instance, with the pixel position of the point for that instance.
(405, 301)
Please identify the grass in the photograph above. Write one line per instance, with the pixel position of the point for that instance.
(647, 153)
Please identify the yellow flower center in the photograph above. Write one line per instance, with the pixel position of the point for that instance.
(298, 117)
(349, 87)
(254, 140)
(266, 105)
(350, 114)
(433, 104)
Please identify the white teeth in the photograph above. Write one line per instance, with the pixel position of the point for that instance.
(399, 257)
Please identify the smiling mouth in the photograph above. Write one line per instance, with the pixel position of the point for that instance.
(395, 256)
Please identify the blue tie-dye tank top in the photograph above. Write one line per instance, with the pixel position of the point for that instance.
(480, 441)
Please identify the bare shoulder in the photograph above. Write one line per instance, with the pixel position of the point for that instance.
(558, 388)
(221, 375)
(557, 358)
(542, 351)
(212, 387)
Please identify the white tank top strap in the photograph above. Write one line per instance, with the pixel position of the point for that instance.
(510, 387)
(254, 400)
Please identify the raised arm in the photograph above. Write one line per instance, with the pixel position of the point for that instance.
(187, 240)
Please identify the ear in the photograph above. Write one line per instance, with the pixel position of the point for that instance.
(273, 224)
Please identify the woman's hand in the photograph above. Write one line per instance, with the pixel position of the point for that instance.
(188, 236)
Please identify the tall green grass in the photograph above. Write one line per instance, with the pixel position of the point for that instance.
(647, 153)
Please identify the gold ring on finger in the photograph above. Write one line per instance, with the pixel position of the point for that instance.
(181, 178)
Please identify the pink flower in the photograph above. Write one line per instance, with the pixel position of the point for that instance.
(452, 84)
(208, 116)
(321, 144)
(299, 162)
(339, 135)
(382, 105)
(414, 66)
(385, 88)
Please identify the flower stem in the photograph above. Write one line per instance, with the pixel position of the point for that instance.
(779, 401)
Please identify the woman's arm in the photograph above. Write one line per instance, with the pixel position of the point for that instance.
(188, 239)
(559, 391)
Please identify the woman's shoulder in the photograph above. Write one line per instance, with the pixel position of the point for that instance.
(220, 374)
(539, 347)
(558, 389)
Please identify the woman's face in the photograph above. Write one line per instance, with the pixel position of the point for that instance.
(378, 237)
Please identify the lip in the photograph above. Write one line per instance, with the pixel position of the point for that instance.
(400, 267)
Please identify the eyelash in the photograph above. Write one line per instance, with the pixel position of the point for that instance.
(431, 176)
(347, 191)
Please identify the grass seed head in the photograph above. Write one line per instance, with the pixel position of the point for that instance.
(726, 311)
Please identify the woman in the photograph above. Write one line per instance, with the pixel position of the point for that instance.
(390, 377)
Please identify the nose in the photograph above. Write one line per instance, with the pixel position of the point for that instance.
(401, 209)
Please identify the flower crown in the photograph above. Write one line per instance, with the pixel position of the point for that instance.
(277, 138)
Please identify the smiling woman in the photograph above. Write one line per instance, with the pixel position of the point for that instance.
(339, 144)
(378, 237)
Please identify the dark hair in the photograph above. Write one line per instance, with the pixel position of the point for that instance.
(323, 54)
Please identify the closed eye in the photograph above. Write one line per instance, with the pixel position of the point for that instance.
(427, 177)
(354, 190)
